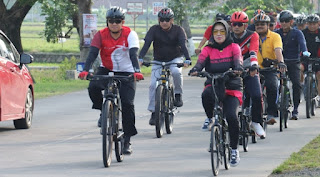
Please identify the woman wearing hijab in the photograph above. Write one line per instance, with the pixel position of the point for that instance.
(220, 57)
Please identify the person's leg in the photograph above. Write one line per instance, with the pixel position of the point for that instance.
(208, 104)
(94, 89)
(155, 74)
(230, 109)
(271, 83)
(294, 75)
(253, 88)
(177, 81)
(127, 94)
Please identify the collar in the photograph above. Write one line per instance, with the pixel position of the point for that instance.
(244, 33)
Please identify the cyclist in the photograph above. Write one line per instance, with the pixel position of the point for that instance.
(249, 44)
(270, 48)
(169, 44)
(301, 22)
(219, 57)
(293, 44)
(272, 24)
(207, 33)
(251, 27)
(118, 46)
(312, 36)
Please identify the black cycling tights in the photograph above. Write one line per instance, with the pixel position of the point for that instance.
(230, 108)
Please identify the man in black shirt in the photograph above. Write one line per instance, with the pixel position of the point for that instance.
(169, 45)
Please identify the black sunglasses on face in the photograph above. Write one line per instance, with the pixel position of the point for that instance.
(117, 21)
(164, 19)
(286, 20)
(237, 24)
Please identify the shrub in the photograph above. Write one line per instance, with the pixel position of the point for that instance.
(67, 64)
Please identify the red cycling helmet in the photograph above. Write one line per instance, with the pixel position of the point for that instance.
(239, 16)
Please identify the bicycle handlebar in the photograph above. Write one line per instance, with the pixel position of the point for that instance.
(215, 75)
(163, 64)
(308, 59)
(107, 77)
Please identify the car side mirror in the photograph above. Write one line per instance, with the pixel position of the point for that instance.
(26, 58)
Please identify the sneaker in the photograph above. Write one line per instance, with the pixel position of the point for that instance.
(235, 158)
(178, 100)
(127, 150)
(207, 124)
(99, 121)
(294, 117)
(257, 128)
(271, 120)
(152, 120)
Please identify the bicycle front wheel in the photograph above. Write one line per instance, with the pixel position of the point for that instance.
(119, 139)
(314, 94)
(160, 110)
(283, 108)
(169, 115)
(308, 96)
(215, 149)
(107, 133)
(244, 133)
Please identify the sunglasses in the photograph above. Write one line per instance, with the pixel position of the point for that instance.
(117, 21)
(260, 24)
(165, 19)
(285, 21)
(222, 32)
(237, 24)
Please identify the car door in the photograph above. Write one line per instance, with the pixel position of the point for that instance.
(12, 84)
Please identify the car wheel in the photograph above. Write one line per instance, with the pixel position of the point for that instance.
(26, 122)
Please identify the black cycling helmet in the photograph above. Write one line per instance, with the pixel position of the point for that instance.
(285, 15)
(301, 19)
(227, 18)
(261, 18)
(166, 13)
(220, 16)
(312, 18)
(115, 12)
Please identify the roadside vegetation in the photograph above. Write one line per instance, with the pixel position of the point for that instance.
(308, 158)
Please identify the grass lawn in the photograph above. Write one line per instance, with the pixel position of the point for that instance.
(307, 158)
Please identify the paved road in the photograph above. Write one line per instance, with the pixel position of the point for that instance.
(64, 141)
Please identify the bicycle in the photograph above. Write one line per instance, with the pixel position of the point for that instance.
(164, 98)
(111, 118)
(219, 139)
(311, 86)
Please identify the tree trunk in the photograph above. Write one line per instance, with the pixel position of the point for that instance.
(185, 25)
(11, 20)
(84, 7)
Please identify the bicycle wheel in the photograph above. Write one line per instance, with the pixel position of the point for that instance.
(107, 134)
(283, 108)
(314, 94)
(226, 148)
(169, 114)
(308, 95)
(244, 132)
(159, 110)
(214, 150)
(118, 138)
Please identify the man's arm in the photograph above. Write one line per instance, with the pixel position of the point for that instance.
(147, 42)
(93, 53)
(279, 56)
(182, 42)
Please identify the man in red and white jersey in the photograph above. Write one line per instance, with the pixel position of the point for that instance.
(118, 46)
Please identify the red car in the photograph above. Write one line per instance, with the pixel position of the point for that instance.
(16, 85)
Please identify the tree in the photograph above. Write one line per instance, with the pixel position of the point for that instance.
(11, 18)
(268, 5)
(184, 9)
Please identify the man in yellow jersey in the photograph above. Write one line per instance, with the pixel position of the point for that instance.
(270, 49)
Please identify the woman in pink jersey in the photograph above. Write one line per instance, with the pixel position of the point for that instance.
(219, 57)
